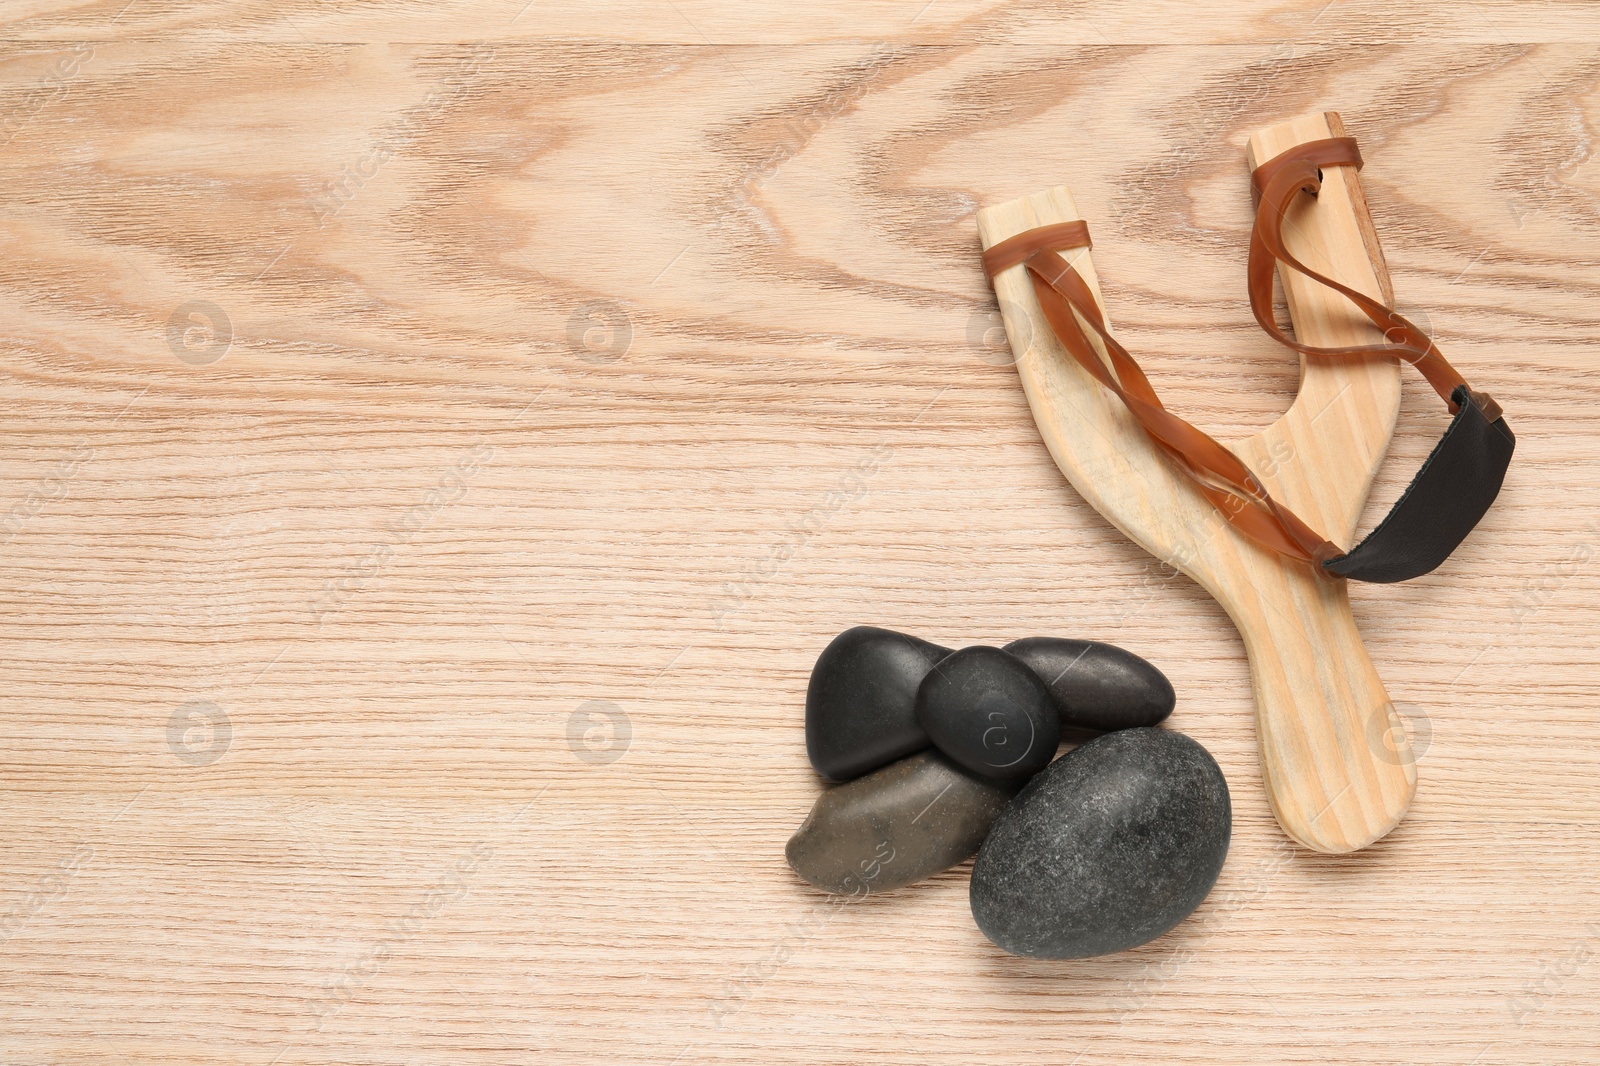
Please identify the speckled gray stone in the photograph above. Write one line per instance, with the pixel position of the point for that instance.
(1110, 846)
(907, 821)
(1097, 687)
(990, 713)
(860, 704)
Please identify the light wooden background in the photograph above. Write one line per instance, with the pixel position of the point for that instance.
(392, 389)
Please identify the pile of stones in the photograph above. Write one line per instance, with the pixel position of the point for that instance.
(942, 754)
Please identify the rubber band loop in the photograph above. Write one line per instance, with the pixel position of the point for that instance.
(1449, 495)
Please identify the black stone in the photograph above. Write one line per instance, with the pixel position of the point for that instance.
(860, 705)
(1110, 846)
(1097, 687)
(907, 821)
(990, 713)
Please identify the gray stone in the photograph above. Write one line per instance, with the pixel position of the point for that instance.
(1110, 846)
(1097, 687)
(860, 712)
(990, 713)
(907, 821)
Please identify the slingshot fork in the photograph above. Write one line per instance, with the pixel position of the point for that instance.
(1337, 765)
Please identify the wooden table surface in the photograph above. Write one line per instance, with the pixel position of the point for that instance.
(438, 440)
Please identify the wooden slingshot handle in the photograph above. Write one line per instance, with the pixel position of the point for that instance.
(1337, 765)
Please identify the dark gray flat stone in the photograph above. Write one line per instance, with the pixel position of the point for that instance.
(990, 713)
(1110, 846)
(909, 820)
(1097, 687)
(860, 705)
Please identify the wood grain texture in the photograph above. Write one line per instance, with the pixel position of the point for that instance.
(1338, 768)
(573, 357)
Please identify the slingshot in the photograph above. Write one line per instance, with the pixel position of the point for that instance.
(1259, 525)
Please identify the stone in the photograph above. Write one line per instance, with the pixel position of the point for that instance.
(1110, 846)
(909, 820)
(990, 713)
(860, 706)
(1097, 687)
